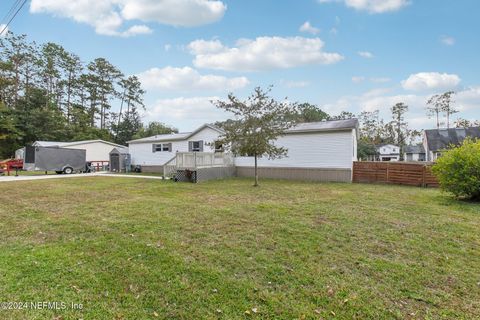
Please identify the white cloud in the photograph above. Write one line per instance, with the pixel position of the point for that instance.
(307, 27)
(358, 79)
(373, 6)
(431, 81)
(295, 84)
(263, 53)
(174, 110)
(447, 40)
(187, 79)
(109, 16)
(466, 100)
(365, 54)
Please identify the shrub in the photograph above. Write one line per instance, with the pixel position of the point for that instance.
(458, 170)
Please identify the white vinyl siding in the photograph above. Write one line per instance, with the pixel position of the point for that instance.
(142, 154)
(335, 149)
(96, 151)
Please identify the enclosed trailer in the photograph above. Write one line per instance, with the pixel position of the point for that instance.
(120, 160)
(60, 160)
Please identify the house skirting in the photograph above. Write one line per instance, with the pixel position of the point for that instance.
(152, 169)
(309, 174)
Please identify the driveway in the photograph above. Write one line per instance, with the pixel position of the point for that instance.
(68, 176)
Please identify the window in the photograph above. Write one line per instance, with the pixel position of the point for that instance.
(195, 146)
(162, 147)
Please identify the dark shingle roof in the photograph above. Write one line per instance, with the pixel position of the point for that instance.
(440, 139)
(414, 149)
(331, 125)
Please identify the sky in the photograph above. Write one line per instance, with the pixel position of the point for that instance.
(342, 55)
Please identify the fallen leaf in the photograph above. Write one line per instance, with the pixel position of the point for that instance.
(254, 310)
(219, 311)
(317, 311)
(155, 314)
(247, 312)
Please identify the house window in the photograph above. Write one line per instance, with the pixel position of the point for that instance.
(162, 147)
(195, 146)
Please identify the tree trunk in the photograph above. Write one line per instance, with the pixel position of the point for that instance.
(438, 123)
(448, 119)
(256, 172)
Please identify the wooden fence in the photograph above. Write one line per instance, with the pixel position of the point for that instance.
(406, 173)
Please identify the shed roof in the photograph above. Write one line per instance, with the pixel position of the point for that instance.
(119, 150)
(440, 139)
(72, 143)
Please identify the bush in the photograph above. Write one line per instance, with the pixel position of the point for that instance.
(458, 170)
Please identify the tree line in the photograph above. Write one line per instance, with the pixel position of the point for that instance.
(48, 93)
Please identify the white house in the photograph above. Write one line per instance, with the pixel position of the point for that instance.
(414, 153)
(97, 151)
(153, 152)
(435, 141)
(388, 152)
(316, 151)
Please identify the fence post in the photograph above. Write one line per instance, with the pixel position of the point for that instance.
(388, 174)
(424, 173)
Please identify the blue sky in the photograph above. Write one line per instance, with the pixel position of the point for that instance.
(348, 55)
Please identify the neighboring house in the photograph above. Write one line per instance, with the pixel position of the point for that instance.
(98, 151)
(388, 152)
(436, 141)
(414, 153)
(152, 153)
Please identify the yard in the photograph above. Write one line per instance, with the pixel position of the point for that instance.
(128, 248)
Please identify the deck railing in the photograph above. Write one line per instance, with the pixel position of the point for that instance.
(194, 160)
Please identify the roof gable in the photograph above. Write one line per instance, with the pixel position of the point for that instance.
(441, 139)
(176, 136)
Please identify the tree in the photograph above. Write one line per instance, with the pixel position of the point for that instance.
(458, 170)
(101, 80)
(464, 123)
(258, 122)
(441, 103)
(344, 115)
(154, 128)
(399, 125)
(310, 113)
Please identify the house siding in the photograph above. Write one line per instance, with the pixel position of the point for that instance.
(336, 149)
(143, 155)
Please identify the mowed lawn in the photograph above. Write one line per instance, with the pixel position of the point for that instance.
(130, 248)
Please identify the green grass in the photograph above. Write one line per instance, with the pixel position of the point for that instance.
(147, 249)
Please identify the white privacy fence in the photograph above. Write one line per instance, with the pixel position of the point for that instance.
(193, 160)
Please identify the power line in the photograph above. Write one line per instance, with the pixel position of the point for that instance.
(13, 17)
(12, 9)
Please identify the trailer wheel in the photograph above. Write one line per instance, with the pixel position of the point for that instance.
(68, 170)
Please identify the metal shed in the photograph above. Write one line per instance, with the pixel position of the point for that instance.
(120, 160)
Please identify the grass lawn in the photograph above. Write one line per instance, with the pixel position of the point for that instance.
(147, 249)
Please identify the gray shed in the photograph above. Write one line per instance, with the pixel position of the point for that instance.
(120, 160)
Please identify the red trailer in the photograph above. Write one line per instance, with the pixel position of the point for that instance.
(10, 165)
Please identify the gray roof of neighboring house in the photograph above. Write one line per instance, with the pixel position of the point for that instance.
(440, 139)
(332, 125)
(414, 149)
